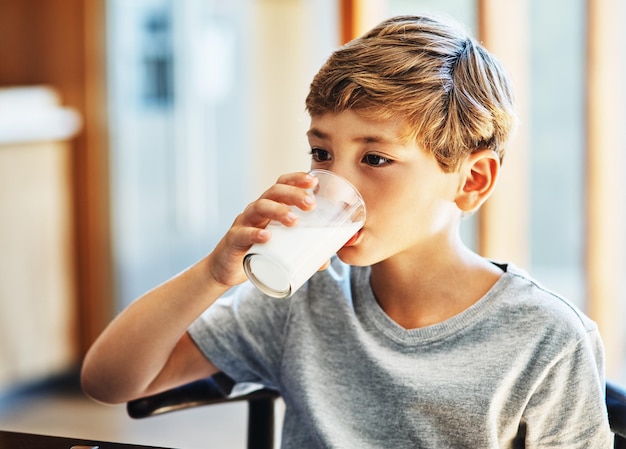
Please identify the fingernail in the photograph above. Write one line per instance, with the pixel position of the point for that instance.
(309, 200)
(312, 179)
(291, 216)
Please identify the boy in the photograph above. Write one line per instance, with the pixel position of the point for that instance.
(408, 338)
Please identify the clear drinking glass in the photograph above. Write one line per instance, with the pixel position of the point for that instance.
(293, 254)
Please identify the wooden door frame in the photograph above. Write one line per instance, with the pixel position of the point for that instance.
(61, 43)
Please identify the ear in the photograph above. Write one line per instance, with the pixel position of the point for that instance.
(478, 173)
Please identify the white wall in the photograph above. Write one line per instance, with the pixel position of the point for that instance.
(290, 41)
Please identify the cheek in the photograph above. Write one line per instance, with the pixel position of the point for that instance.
(388, 208)
(395, 209)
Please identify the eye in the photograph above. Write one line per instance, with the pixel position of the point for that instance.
(319, 155)
(375, 160)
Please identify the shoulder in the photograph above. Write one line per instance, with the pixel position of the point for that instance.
(243, 307)
(545, 328)
(539, 310)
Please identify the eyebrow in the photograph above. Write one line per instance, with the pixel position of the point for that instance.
(316, 132)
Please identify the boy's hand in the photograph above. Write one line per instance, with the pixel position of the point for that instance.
(226, 261)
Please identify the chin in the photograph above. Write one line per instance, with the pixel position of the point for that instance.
(351, 255)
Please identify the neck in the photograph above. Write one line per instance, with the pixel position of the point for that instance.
(417, 290)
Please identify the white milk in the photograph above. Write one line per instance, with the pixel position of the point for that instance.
(294, 254)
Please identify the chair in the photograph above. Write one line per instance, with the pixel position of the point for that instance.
(616, 406)
(214, 390)
(217, 389)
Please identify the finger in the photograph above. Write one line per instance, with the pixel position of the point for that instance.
(259, 213)
(291, 195)
(276, 202)
(241, 238)
(227, 267)
(299, 179)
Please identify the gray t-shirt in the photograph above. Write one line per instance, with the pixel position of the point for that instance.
(521, 368)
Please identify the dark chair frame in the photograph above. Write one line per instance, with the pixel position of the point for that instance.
(616, 407)
(209, 391)
(217, 389)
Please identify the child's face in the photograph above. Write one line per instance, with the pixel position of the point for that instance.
(409, 198)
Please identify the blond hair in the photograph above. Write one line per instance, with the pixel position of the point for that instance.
(453, 93)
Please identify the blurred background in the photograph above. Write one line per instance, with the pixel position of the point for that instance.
(133, 131)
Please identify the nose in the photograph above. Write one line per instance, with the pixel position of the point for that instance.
(348, 174)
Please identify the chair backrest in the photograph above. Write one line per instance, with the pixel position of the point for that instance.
(616, 408)
(217, 389)
(214, 390)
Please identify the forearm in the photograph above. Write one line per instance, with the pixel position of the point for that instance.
(144, 350)
(129, 358)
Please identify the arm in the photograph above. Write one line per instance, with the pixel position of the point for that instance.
(146, 349)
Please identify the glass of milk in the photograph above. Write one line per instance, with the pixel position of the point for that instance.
(293, 254)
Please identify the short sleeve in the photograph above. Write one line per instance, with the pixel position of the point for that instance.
(242, 334)
(568, 408)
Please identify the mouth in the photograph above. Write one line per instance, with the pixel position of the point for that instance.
(353, 239)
